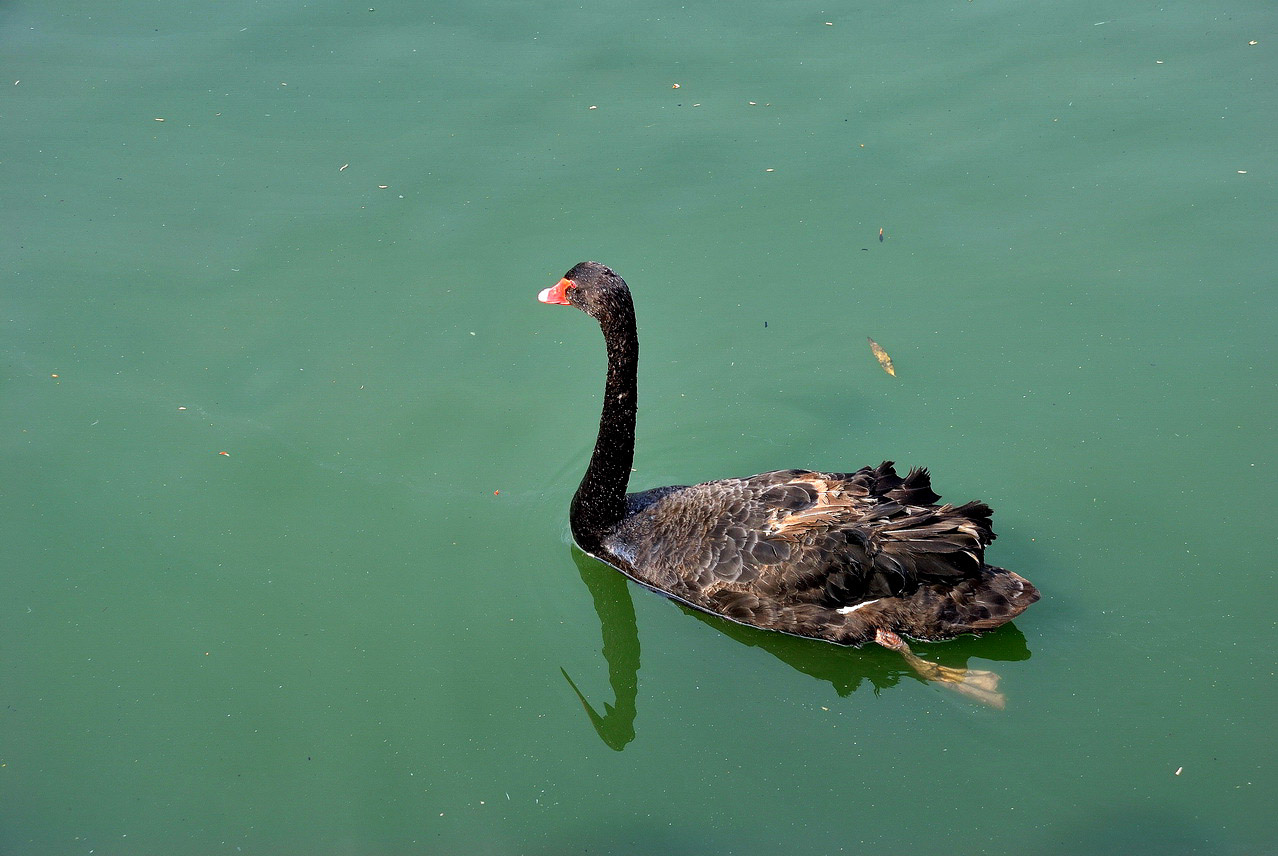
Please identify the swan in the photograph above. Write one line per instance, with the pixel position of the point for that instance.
(848, 558)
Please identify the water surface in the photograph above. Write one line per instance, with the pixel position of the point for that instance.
(288, 443)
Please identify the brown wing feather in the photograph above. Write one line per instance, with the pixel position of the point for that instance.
(794, 537)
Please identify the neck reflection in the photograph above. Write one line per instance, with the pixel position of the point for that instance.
(616, 610)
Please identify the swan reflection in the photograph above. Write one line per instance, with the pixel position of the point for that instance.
(845, 669)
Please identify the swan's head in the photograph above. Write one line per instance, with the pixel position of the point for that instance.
(591, 287)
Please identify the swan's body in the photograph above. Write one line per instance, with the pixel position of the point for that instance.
(834, 556)
(844, 557)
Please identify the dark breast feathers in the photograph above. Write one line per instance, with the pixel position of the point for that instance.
(799, 540)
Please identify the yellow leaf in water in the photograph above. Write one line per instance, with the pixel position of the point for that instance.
(882, 356)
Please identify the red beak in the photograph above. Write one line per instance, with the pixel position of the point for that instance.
(557, 293)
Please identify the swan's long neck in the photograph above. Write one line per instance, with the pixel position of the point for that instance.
(600, 501)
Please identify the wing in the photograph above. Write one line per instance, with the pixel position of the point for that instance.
(797, 537)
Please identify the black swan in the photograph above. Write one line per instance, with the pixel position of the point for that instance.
(848, 558)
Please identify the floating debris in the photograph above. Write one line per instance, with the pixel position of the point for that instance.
(882, 356)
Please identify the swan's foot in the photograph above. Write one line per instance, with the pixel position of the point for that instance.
(976, 684)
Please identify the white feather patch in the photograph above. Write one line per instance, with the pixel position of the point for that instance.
(844, 610)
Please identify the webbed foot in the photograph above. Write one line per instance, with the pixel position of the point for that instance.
(977, 684)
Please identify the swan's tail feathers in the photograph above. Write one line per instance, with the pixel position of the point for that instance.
(1004, 596)
(984, 603)
(975, 605)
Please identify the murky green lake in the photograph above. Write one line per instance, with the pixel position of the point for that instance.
(288, 443)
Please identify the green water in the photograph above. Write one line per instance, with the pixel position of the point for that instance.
(350, 633)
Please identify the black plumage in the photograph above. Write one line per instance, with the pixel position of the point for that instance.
(844, 557)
